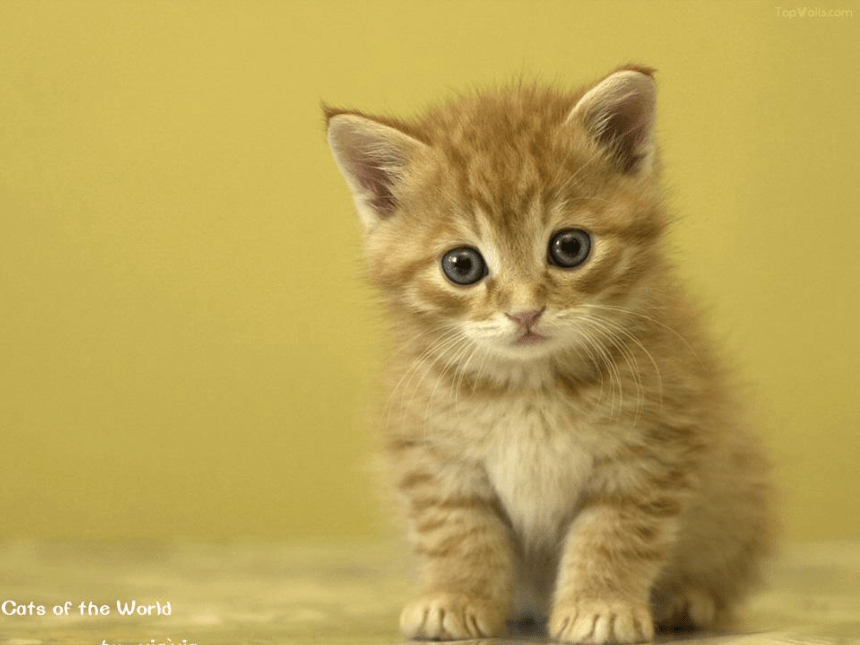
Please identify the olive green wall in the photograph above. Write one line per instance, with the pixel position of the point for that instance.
(185, 346)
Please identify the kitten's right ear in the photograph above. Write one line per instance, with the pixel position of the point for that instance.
(619, 114)
(373, 158)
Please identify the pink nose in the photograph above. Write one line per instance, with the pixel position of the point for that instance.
(526, 319)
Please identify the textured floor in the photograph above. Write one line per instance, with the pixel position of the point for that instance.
(330, 594)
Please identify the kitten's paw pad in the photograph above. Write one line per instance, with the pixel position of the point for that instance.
(599, 622)
(686, 609)
(450, 616)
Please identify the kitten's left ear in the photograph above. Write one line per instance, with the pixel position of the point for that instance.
(619, 114)
(373, 158)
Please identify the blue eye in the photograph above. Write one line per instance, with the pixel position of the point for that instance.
(569, 248)
(464, 266)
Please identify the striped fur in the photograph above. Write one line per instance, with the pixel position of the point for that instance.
(605, 478)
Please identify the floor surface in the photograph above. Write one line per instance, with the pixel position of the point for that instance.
(333, 594)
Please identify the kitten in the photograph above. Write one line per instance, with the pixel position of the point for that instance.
(565, 441)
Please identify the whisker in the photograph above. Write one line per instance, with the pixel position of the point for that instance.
(419, 363)
(608, 362)
(631, 337)
(457, 350)
(617, 341)
(439, 350)
(613, 341)
(650, 319)
(459, 382)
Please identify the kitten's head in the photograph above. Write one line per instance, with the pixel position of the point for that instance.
(523, 221)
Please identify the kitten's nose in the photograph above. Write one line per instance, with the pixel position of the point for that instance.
(526, 319)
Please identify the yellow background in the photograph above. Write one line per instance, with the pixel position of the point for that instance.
(186, 349)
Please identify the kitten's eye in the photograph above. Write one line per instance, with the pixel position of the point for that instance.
(569, 248)
(464, 266)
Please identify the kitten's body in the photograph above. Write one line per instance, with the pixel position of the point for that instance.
(564, 440)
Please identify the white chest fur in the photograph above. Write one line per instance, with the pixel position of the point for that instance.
(537, 463)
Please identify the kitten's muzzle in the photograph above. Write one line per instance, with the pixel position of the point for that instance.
(527, 321)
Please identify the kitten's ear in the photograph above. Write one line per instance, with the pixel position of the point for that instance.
(619, 114)
(373, 158)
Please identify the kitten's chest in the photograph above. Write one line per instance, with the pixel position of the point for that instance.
(538, 462)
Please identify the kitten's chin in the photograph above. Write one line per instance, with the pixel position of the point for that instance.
(531, 338)
(526, 347)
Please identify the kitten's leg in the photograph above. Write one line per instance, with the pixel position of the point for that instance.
(614, 551)
(466, 557)
(684, 607)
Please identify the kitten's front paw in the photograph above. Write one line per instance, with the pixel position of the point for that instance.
(688, 608)
(451, 616)
(598, 622)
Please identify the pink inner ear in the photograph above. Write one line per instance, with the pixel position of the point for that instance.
(378, 183)
(624, 132)
(619, 113)
(368, 162)
(372, 157)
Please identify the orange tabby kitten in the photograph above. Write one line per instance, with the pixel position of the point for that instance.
(562, 434)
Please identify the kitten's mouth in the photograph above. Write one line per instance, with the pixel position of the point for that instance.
(530, 338)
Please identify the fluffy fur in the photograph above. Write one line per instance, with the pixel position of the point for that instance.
(603, 475)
